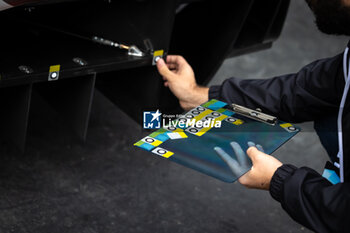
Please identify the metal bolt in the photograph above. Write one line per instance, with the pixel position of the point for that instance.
(54, 75)
(254, 114)
(291, 128)
(79, 61)
(156, 59)
(29, 9)
(25, 69)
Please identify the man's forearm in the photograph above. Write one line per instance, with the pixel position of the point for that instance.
(299, 97)
(201, 95)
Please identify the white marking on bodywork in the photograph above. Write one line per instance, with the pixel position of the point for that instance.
(4, 5)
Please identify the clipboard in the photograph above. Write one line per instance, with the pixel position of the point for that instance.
(193, 146)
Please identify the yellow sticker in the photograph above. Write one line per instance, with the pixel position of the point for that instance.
(158, 53)
(289, 127)
(178, 130)
(238, 122)
(202, 114)
(168, 154)
(162, 152)
(203, 131)
(286, 125)
(54, 73)
(54, 68)
(220, 118)
(156, 143)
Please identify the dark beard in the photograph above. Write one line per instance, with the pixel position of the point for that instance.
(332, 17)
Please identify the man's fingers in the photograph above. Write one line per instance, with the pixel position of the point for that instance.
(233, 164)
(177, 60)
(172, 66)
(251, 144)
(260, 148)
(241, 157)
(163, 69)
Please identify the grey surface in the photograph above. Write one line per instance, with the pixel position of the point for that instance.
(107, 185)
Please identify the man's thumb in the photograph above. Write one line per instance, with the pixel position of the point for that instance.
(253, 153)
(163, 69)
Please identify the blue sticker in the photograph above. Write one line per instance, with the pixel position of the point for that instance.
(162, 137)
(146, 146)
(228, 113)
(215, 106)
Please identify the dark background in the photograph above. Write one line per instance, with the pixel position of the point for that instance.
(107, 185)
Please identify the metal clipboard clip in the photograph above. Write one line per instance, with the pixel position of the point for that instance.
(254, 114)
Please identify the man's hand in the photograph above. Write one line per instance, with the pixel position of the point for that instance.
(264, 165)
(179, 77)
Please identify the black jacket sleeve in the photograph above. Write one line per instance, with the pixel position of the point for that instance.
(307, 95)
(312, 200)
(304, 96)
